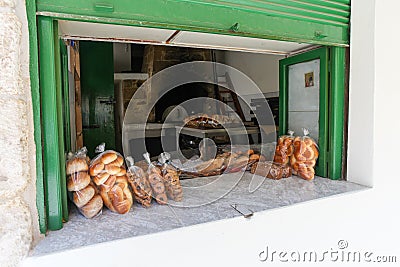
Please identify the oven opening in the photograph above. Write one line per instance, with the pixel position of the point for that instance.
(228, 133)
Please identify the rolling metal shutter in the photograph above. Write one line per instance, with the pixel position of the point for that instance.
(309, 21)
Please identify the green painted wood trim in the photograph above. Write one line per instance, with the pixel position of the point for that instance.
(254, 19)
(323, 55)
(60, 120)
(336, 112)
(51, 156)
(65, 81)
(283, 98)
(34, 80)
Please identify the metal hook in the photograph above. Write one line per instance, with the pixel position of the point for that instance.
(243, 213)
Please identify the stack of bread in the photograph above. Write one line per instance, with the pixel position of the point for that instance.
(304, 157)
(171, 178)
(84, 194)
(137, 178)
(109, 174)
(156, 181)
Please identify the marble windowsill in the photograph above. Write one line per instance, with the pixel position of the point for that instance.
(109, 226)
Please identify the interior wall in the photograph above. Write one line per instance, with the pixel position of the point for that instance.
(122, 57)
(263, 69)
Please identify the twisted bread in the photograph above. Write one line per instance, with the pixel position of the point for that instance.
(304, 157)
(119, 198)
(284, 149)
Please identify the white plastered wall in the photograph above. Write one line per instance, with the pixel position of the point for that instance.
(367, 220)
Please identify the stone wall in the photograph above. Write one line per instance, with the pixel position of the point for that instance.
(18, 213)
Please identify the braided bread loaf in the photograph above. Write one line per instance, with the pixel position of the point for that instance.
(304, 157)
(118, 198)
(284, 149)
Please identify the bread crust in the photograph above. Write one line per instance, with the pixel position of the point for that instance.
(76, 165)
(108, 157)
(101, 178)
(93, 207)
(82, 197)
(77, 181)
(95, 169)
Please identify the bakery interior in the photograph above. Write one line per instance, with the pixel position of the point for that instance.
(103, 77)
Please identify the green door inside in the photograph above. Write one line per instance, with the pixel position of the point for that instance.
(303, 114)
(97, 83)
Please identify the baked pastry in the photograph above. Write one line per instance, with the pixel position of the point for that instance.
(77, 181)
(111, 169)
(304, 157)
(271, 170)
(141, 188)
(96, 168)
(157, 185)
(261, 168)
(93, 207)
(212, 165)
(172, 182)
(108, 157)
(122, 172)
(101, 178)
(76, 165)
(82, 197)
(109, 183)
(284, 149)
(119, 198)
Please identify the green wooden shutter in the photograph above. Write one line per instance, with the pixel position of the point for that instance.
(323, 22)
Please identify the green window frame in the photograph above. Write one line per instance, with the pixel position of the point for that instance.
(232, 17)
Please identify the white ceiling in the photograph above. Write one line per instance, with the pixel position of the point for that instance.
(131, 34)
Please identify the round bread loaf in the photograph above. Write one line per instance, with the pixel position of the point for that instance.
(112, 170)
(76, 165)
(83, 196)
(108, 157)
(77, 181)
(97, 168)
(120, 160)
(101, 178)
(93, 207)
(122, 172)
